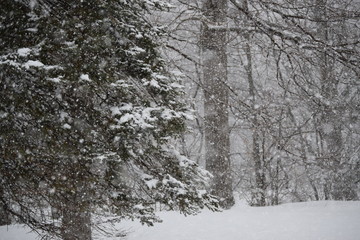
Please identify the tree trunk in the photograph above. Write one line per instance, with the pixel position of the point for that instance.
(304, 156)
(4, 215)
(76, 217)
(76, 221)
(258, 195)
(217, 141)
(331, 125)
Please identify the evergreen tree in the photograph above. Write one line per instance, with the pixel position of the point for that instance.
(87, 114)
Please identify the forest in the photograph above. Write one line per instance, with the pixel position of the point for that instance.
(116, 110)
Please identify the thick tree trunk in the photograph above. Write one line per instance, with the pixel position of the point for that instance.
(4, 215)
(217, 141)
(75, 207)
(76, 221)
(331, 124)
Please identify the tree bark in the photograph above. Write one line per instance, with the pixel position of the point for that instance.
(75, 206)
(4, 215)
(331, 124)
(260, 187)
(216, 115)
(76, 221)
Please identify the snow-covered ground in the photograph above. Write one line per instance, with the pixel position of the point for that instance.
(327, 220)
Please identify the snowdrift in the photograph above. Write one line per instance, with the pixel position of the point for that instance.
(325, 220)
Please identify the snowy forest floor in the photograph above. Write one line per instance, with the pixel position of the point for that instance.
(325, 220)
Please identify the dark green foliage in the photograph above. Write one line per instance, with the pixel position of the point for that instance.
(87, 112)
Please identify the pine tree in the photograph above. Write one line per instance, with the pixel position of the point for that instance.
(87, 116)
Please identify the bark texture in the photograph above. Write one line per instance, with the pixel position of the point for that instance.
(258, 194)
(217, 142)
(76, 222)
(331, 118)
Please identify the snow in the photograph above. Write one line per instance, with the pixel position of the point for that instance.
(3, 114)
(55, 80)
(296, 221)
(176, 85)
(136, 49)
(32, 30)
(85, 77)
(16, 232)
(38, 64)
(169, 114)
(63, 116)
(115, 111)
(70, 44)
(126, 107)
(32, 63)
(66, 126)
(154, 83)
(126, 118)
(24, 52)
(146, 114)
(138, 117)
(32, 3)
(324, 220)
(172, 181)
(151, 183)
(177, 73)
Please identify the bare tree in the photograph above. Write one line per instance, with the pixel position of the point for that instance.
(216, 96)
